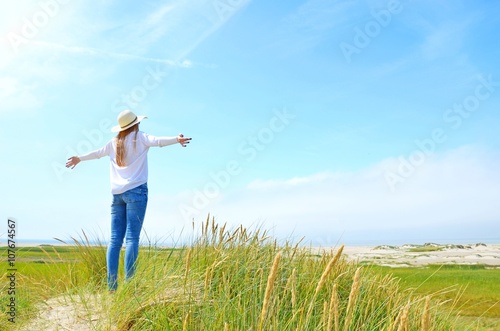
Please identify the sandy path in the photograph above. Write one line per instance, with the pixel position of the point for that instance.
(74, 313)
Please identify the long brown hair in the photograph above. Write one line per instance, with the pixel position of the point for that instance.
(120, 143)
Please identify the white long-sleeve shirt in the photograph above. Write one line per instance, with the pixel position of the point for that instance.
(135, 172)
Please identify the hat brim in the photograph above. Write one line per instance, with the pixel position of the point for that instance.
(118, 128)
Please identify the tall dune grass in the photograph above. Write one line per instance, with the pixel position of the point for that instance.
(243, 280)
(236, 279)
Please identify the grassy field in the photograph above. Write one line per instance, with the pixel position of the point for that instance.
(240, 280)
(472, 291)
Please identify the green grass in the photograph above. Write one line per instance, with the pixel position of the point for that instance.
(424, 249)
(472, 291)
(227, 279)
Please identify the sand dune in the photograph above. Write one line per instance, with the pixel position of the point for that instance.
(421, 255)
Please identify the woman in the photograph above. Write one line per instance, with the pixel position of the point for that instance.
(129, 176)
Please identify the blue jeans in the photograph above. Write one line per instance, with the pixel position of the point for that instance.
(127, 215)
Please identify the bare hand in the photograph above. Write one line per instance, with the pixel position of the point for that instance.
(183, 141)
(72, 162)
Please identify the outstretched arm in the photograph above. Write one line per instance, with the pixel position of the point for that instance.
(72, 162)
(97, 154)
(183, 141)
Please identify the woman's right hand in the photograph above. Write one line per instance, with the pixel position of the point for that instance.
(72, 162)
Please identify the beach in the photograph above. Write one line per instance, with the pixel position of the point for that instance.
(422, 255)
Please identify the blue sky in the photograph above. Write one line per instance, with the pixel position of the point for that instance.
(340, 121)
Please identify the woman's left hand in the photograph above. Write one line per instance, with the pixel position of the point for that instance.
(182, 140)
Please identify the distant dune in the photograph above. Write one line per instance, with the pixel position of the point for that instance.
(421, 255)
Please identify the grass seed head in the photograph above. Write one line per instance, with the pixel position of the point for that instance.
(269, 289)
(426, 316)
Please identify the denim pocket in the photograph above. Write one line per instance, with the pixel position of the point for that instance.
(139, 193)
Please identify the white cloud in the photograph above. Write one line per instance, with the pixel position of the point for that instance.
(444, 32)
(75, 41)
(122, 56)
(176, 28)
(155, 25)
(320, 15)
(260, 184)
(443, 41)
(156, 17)
(312, 23)
(460, 187)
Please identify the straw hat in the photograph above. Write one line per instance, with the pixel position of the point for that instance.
(126, 119)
